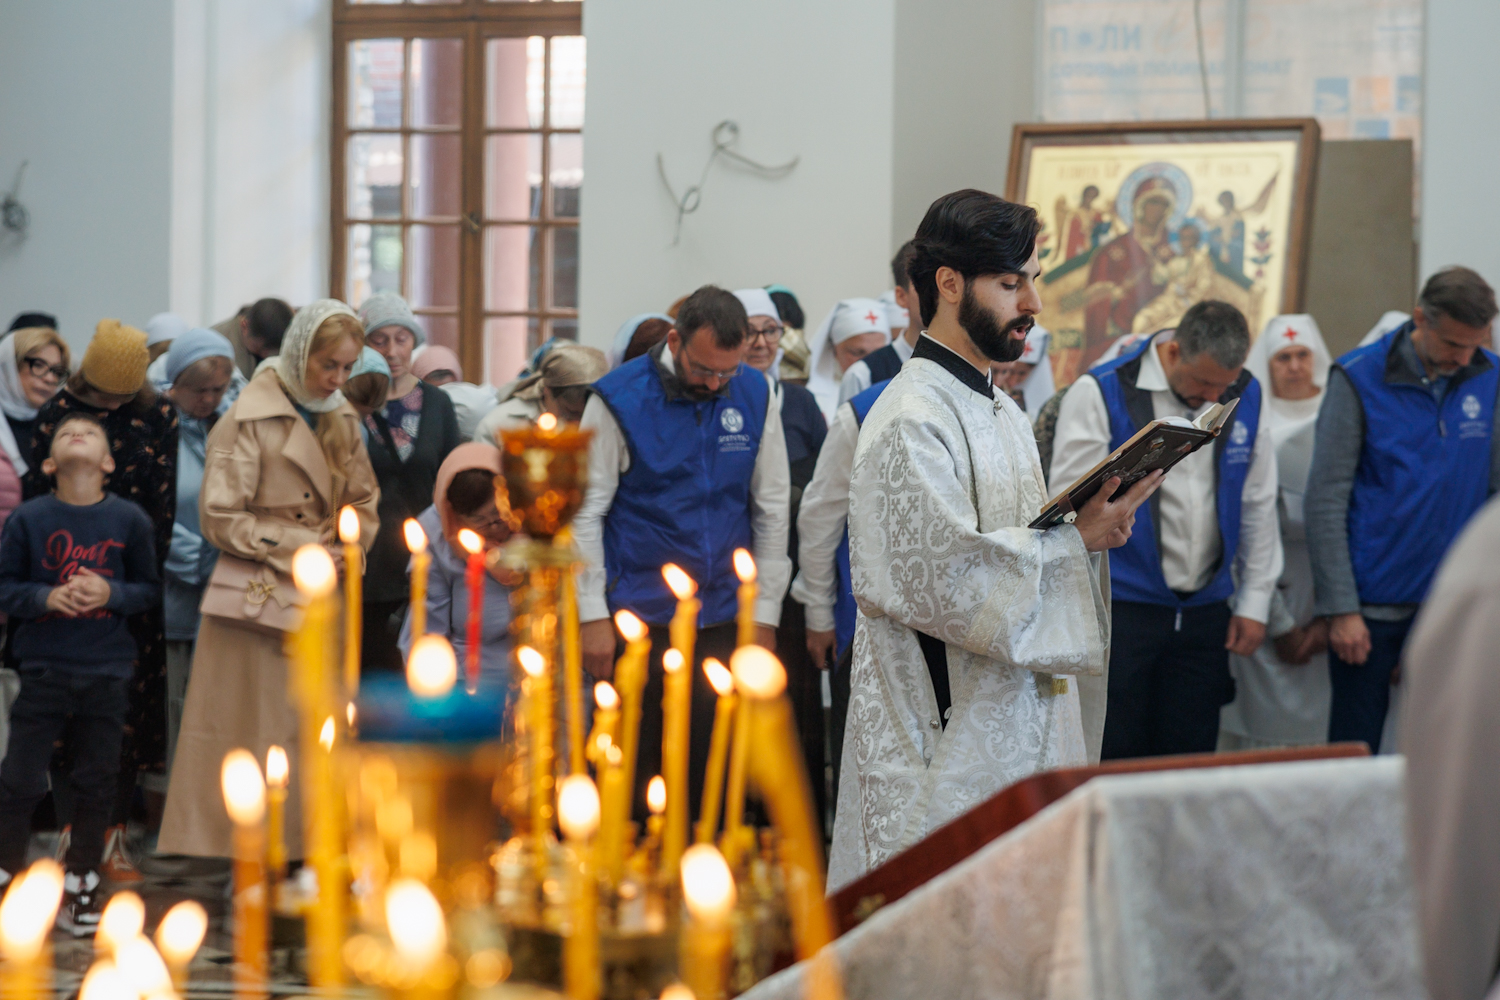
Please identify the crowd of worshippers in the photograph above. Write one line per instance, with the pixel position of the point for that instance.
(1263, 602)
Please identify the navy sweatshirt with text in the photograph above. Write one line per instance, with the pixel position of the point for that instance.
(47, 541)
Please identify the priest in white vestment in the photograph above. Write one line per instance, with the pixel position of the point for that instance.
(973, 630)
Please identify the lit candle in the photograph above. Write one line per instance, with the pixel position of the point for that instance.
(322, 824)
(144, 970)
(432, 667)
(606, 720)
(418, 930)
(277, 772)
(744, 568)
(734, 800)
(474, 581)
(539, 718)
(677, 694)
(245, 800)
(354, 571)
(120, 923)
(677, 991)
(573, 671)
(26, 916)
(684, 627)
(780, 774)
(614, 798)
(656, 804)
(416, 541)
(179, 936)
(105, 981)
(578, 815)
(718, 751)
(709, 894)
(630, 680)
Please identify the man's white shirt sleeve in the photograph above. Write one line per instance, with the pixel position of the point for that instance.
(821, 520)
(609, 457)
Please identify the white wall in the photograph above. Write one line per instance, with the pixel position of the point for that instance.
(801, 79)
(85, 97)
(1461, 138)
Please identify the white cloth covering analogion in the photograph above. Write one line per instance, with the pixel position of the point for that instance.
(1039, 385)
(849, 318)
(945, 481)
(291, 363)
(1268, 882)
(1278, 703)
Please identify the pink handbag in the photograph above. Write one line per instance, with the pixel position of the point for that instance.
(253, 595)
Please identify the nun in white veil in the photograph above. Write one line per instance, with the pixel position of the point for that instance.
(1038, 386)
(1282, 693)
(852, 329)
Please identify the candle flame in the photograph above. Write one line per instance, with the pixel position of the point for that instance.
(123, 917)
(707, 885)
(105, 982)
(244, 788)
(348, 525)
(631, 627)
(416, 538)
(313, 572)
(28, 909)
(143, 968)
(672, 661)
(604, 742)
(325, 735)
(656, 795)
(181, 932)
(276, 767)
(351, 714)
(415, 921)
(614, 757)
(546, 422)
(744, 565)
(606, 697)
(719, 676)
(578, 807)
(533, 662)
(432, 668)
(681, 585)
(757, 672)
(677, 991)
(471, 541)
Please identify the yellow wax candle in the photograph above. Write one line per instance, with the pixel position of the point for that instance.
(734, 801)
(630, 681)
(354, 572)
(26, 916)
(539, 718)
(573, 671)
(606, 731)
(614, 798)
(322, 825)
(677, 689)
(709, 894)
(718, 750)
(416, 541)
(178, 937)
(780, 774)
(744, 568)
(276, 780)
(578, 815)
(120, 923)
(245, 800)
(418, 930)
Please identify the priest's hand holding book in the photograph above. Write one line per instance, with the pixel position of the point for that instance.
(1105, 521)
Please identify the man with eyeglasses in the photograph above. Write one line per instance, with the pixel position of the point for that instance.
(687, 464)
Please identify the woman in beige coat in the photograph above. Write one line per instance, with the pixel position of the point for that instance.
(279, 466)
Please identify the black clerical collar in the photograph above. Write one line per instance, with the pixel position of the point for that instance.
(954, 364)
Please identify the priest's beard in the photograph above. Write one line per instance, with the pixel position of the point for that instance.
(983, 327)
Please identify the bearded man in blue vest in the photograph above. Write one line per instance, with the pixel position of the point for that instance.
(1194, 582)
(688, 463)
(1404, 455)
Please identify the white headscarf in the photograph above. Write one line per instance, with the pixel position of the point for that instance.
(164, 327)
(897, 317)
(1289, 416)
(13, 401)
(1384, 325)
(757, 302)
(626, 333)
(849, 318)
(291, 363)
(1038, 387)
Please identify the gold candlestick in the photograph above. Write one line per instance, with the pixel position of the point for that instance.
(677, 687)
(709, 894)
(178, 936)
(354, 572)
(416, 541)
(539, 719)
(744, 568)
(276, 780)
(630, 680)
(718, 750)
(26, 916)
(245, 800)
(578, 815)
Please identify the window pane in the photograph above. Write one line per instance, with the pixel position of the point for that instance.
(565, 171)
(374, 176)
(437, 70)
(513, 82)
(435, 178)
(563, 327)
(442, 330)
(567, 81)
(565, 267)
(375, 68)
(507, 345)
(372, 262)
(432, 266)
(512, 266)
(513, 176)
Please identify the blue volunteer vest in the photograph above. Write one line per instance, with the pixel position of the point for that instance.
(1135, 568)
(686, 496)
(1424, 469)
(843, 608)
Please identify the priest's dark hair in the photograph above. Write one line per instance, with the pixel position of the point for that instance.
(901, 264)
(713, 307)
(975, 233)
(1460, 294)
(1217, 329)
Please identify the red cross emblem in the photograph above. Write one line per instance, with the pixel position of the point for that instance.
(871, 318)
(1290, 334)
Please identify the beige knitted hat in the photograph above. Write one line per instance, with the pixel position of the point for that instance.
(116, 359)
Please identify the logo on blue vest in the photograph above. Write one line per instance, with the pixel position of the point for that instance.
(733, 421)
(1240, 434)
(1471, 406)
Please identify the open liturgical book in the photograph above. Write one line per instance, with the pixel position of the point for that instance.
(1161, 444)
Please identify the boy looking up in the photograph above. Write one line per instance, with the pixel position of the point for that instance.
(73, 566)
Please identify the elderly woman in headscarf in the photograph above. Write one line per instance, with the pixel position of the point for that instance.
(111, 384)
(279, 466)
(439, 366)
(33, 365)
(1281, 691)
(852, 329)
(559, 387)
(464, 497)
